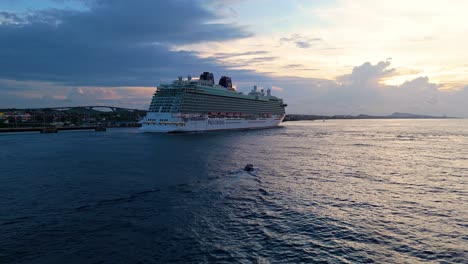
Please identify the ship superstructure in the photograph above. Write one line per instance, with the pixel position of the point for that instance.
(188, 105)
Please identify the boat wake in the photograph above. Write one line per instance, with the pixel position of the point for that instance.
(117, 200)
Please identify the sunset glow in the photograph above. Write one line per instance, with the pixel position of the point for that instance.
(310, 49)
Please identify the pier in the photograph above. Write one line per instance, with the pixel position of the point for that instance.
(51, 129)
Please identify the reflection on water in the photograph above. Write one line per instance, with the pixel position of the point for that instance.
(386, 191)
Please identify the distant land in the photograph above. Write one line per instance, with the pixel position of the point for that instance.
(74, 116)
(116, 117)
(396, 115)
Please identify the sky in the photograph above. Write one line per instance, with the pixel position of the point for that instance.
(322, 57)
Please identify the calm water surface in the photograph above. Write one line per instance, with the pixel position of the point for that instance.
(344, 191)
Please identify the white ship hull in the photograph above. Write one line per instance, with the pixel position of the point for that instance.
(172, 123)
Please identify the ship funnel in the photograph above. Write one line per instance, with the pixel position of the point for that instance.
(268, 92)
(226, 82)
(189, 77)
(207, 78)
(180, 78)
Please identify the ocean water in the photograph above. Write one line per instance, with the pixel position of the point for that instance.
(341, 191)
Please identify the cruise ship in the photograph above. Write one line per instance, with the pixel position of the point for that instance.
(188, 105)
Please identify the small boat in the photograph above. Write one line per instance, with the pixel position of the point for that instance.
(249, 167)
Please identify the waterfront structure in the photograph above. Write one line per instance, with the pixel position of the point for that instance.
(187, 105)
(19, 116)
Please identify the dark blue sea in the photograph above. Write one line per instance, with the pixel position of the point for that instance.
(340, 191)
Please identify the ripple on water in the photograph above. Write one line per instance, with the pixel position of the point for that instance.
(334, 192)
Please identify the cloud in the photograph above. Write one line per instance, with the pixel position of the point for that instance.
(367, 74)
(298, 67)
(102, 53)
(303, 44)
(258, 60)
(225, 55)
(360, 92)
(363, 92)
(277, 88)
(111, 43)
(27, 94)
(92, 93)
(300, 41)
